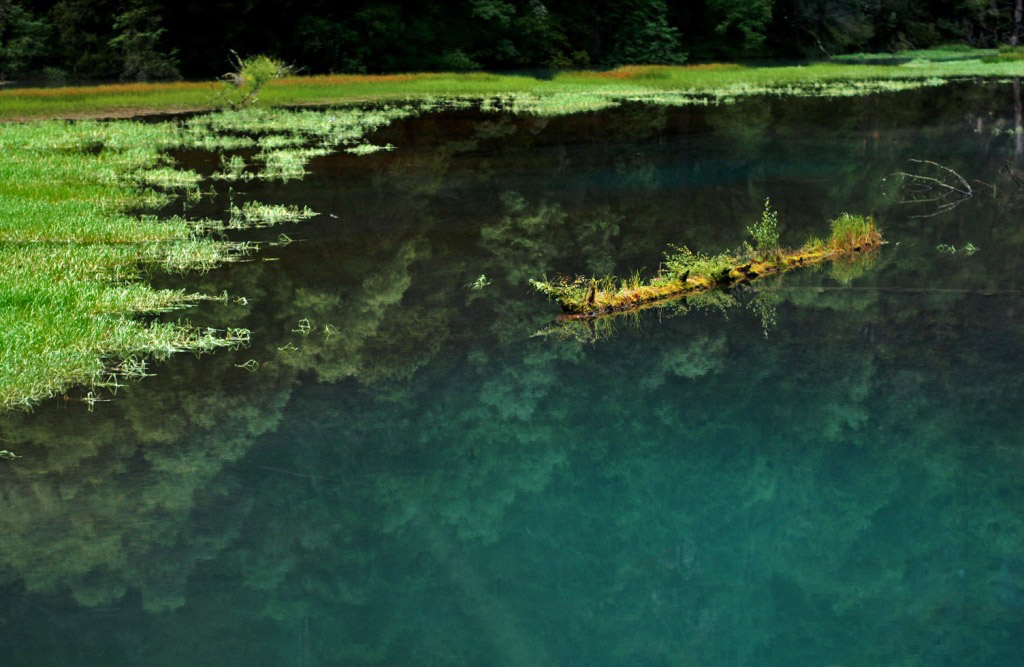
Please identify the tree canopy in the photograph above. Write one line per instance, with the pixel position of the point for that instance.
(159, 39)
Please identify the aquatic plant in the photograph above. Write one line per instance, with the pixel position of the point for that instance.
(169, 177)
(686, 273)
(232, 169)
(255, 214)
(367, 149)
(949, 249)
(481, 282)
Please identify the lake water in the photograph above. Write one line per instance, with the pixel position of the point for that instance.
(826, 470)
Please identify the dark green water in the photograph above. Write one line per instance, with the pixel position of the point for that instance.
(827, 472)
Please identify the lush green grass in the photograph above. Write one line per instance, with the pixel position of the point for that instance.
(715, 82)
(71, 257)
(1007, 54)
(945, 53)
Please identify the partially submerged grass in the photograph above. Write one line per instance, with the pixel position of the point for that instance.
(254, 214)
(232, 169)
(69, 255)
(367, 149)
(72, 257)
(685, 273)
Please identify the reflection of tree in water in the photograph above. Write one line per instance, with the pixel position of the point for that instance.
(428, 483)
(104, 502)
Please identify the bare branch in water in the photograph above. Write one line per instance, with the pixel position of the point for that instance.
(945, 192)
(967, 186)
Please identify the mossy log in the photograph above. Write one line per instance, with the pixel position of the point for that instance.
(582, 299)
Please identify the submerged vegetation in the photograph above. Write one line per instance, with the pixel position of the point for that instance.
(686, 273)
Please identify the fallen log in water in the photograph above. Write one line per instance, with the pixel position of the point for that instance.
(685, 273)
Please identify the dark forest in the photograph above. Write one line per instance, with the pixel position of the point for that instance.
(159, 39)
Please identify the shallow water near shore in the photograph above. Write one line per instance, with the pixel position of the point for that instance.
(823, 470)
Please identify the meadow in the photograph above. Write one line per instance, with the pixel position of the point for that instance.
(711, 81)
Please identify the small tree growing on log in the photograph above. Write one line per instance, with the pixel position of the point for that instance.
(766, 231)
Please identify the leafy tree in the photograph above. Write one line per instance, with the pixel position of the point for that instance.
(748, 19)
(23, 39)
(644, 35)
(83, 36)
(137, 40)
(1018, 17)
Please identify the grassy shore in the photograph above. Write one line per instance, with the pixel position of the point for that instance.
(714, 82)
(73, 255)
(73, 259)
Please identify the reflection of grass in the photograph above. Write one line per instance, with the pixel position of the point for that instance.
(593, 330)
(685, 273)
(716, 81)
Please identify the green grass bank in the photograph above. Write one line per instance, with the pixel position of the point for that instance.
(710, 82)
(75, 252)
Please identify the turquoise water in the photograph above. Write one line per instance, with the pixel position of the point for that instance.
(822, 471)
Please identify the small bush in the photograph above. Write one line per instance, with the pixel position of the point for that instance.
(241, 88)
(766, 230)
(456, 60)
(851, 230)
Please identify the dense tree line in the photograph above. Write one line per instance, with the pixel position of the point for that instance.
(154, 39)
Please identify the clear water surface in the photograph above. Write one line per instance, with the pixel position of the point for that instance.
(826, 470)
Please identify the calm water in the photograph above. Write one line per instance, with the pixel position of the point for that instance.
(825, 471)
